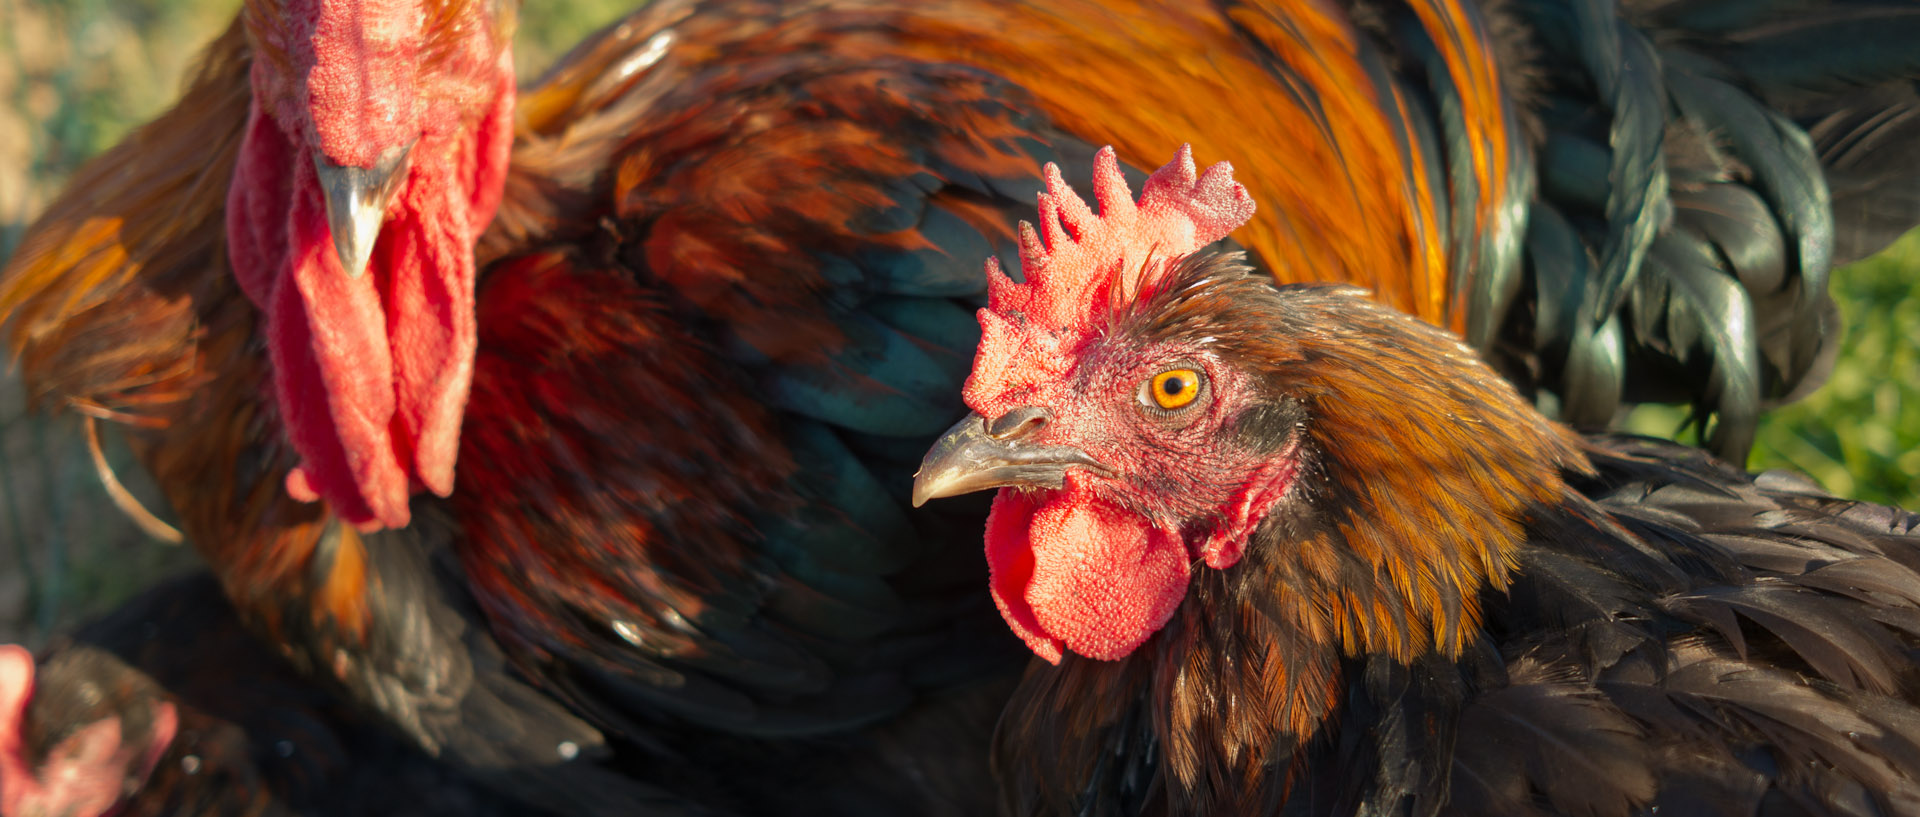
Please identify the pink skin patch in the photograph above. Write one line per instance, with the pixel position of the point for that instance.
(87, 774)
(371, 374)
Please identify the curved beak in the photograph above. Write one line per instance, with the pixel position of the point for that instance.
(972, 457)
(357, 199)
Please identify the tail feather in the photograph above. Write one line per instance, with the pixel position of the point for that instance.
(1484, 268)
(1870, 146)
(1713, 161)
(1593, 370)
(1827, 51)
(1625, 73)
(1778, 155)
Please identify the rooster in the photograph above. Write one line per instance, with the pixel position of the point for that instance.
(1310, 555)
(585, 414)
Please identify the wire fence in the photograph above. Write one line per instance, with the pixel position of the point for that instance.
(76, 74)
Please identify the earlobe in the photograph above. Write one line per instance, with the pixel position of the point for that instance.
(1252, 503)
(1221, 552)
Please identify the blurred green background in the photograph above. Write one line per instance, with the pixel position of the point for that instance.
(76, 74)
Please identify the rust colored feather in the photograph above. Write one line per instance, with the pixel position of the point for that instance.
(1472, 60)
(568, 358)
(1345, 198)
(1349, 195)
(99, 296)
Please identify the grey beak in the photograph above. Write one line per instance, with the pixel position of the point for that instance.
(975, 455)
(357, 199)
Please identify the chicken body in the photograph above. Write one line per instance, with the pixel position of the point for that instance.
(1674, 636)
(727, 301)
(1312, 556)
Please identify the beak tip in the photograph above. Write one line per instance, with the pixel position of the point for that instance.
(923, 491)
(355, 264)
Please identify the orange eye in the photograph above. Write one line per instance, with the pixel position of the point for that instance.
(1174, 388)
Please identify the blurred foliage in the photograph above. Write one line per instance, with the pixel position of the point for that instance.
(76, 74)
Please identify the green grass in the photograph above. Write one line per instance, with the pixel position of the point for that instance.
(75, 75)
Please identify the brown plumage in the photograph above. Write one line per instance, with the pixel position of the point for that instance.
(725, 304)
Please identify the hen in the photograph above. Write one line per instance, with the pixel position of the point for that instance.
(627, 471)
(1312, 556)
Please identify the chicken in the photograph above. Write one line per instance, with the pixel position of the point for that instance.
(628, 471)
(171, 698)
(1313, 556)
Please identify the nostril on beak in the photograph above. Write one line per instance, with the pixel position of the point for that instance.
(1020, 422)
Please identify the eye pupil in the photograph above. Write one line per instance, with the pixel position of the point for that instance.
(1174, 385)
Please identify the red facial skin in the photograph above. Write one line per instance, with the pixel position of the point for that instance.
(1100, 564)
(371, 373)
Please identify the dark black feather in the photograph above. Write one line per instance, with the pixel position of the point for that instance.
(1549, 744)
(254, 736)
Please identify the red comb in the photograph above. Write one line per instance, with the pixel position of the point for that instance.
(1076, 254)
(1074, 262)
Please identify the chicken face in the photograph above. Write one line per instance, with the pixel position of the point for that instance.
(375, 152)
(1122, 440)
(1154, 453)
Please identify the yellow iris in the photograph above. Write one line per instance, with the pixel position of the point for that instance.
(1175, 388)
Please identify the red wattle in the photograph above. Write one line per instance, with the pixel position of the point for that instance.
(17, 778)
(374, 403)
(372, 374)
(1071, 570)
(1010, 569)
(257, 205)
(430, 331)
(279, 244)
(333, 375)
